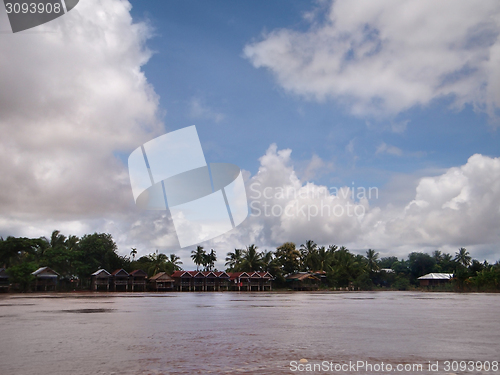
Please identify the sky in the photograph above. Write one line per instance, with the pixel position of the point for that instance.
(392, 107)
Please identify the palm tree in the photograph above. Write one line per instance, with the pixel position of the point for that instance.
(198, 256)
(462, 257)
(158, 263)
(267, 260)
(309, 256)
(133, 253)
(209, 260)
(176, 262)
(372, 261)
(252, 259)
(233, 260)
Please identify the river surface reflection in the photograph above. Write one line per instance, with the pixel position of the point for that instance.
(243, 333)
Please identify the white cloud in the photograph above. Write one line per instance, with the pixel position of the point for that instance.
(383, 57)
(73, 94)
(384, 148)
(199, 110)
(459, 207)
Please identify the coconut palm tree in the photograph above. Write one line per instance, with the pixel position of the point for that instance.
(133, 253)
(462, 257)
(309, 256)
(176, 262)
(209, 260)
(198, 256)
(233, 260)
(158, 263)
(372, 261)
(252, 259)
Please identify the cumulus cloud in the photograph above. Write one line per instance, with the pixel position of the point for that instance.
(74, 103)
(73, 96)
(460, 207)
(199, 110)
(384, 148)
(382, 57)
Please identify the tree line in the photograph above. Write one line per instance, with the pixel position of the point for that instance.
(75, 259)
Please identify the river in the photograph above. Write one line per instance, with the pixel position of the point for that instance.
(248, 333)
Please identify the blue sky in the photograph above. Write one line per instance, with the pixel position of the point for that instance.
(198, 57)
(402, 96)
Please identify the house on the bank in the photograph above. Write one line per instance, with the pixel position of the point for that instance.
(45, 279)
(219, 280)
(137, 280)
(100, 280)
(119, 280)
(161, 282)
(434, 279)
(304, 281)
(250, 281)
(4, 280)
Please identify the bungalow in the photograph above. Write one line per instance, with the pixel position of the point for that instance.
(222, 281)
(182, 280)
(304, 280)
(161, 282)
(218, 280)
(119, 280)
(433, 279)
(45, 279)
(250, 281)
(100, 280)
(137, 280)
(4, 280)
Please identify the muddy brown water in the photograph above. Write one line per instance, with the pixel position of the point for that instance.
(248, 333)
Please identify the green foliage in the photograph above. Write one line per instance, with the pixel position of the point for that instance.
(288, 258)
(77, 258)
(20, 274)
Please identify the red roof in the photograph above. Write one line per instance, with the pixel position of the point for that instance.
(121, 270)
(179, 273)
(138, 273)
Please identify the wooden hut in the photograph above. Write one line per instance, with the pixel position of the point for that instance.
(137, 280)
(45, 279)
(119, 280)
(222, 281)
(100, 280)
(4, 280)
(303, 281)
(161, 282)
(434, 279)
(182, 280)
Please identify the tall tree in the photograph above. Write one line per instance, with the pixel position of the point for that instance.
(198, 256)
(309, 256)
(233, 260)
(133, 253)
(288, 257)
(176, 262)
(209, 260)
(159, 263)
(462, 257)
(372, 261)
(252, 259)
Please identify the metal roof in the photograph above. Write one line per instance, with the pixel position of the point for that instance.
(436, 276)
(98, 272)
(45, 272)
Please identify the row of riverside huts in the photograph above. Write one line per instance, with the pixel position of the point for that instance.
(46, 279)
(137, 280)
